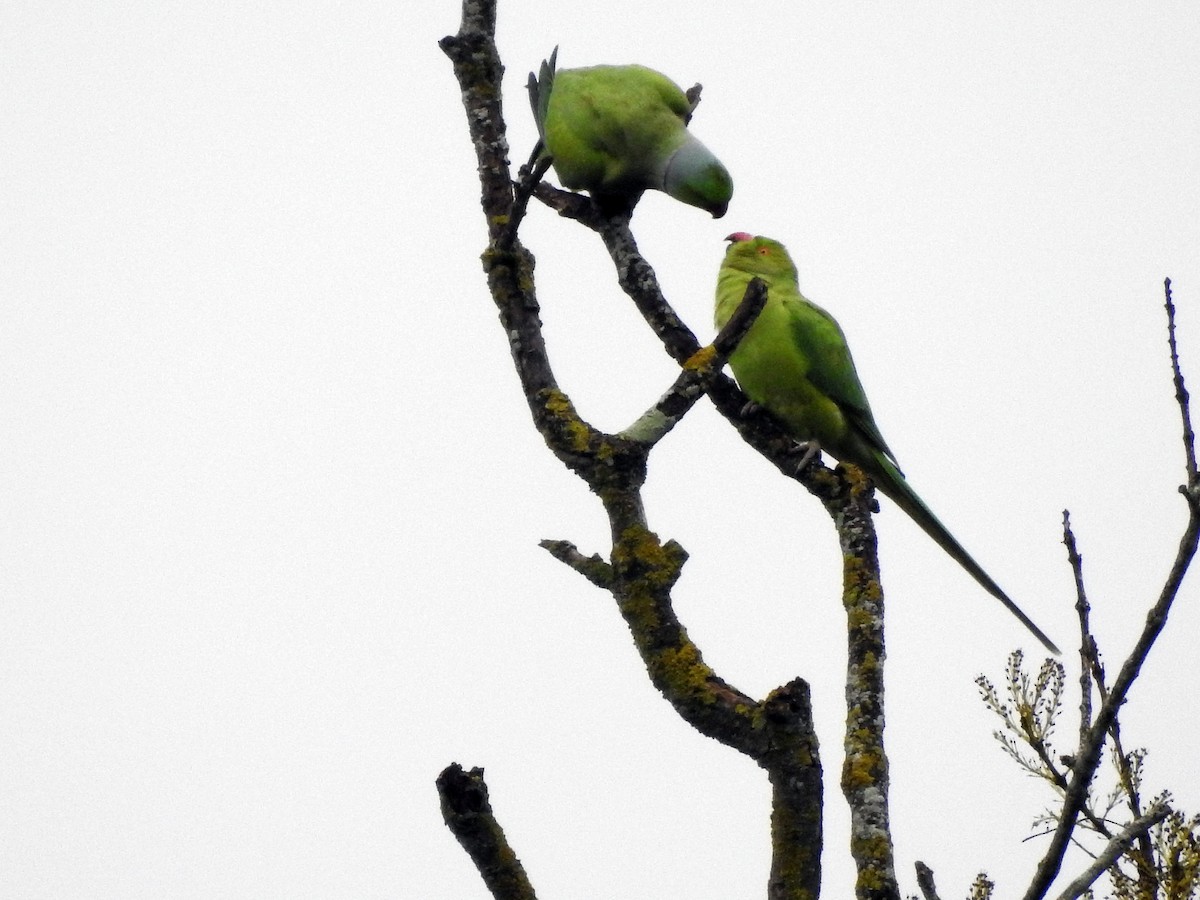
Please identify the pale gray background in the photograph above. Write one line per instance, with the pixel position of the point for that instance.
(271, 498)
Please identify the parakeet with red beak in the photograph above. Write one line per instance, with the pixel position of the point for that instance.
(795, 363)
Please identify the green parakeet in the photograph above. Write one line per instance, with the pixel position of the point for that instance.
(795, 363)
(616, 131)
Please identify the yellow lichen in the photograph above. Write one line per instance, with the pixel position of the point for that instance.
(860, 770)
(869, 880)
(640, 547)
(701, 360)
(684, 670)
(860, 581)
(868, 665)
(576, 431)
(792, 863)
(859, 481)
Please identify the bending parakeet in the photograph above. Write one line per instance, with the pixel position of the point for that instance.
(795, 363)
(616, 131)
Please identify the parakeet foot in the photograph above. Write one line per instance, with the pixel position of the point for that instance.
(750, 408)
(808, 450)
(539, 150)
(530, 176)
(616, 204)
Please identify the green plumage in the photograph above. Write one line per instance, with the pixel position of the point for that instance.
(617, 131)
(795, 363)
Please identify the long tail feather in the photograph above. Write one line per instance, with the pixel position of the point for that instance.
(540, 86)
(889, 480)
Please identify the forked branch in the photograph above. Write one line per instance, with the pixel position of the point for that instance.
(1095, 732)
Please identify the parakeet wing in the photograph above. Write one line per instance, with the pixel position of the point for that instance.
(819, 337)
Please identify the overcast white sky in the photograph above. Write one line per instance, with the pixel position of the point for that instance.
(271, 497)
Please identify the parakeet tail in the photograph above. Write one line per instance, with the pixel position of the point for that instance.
(892, 483)
(540, 86)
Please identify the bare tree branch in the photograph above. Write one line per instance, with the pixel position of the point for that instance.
(1115, 847)
(1181, 394)
(593, 568)
(865, 770)
(477, 67)
(925, 882)
(699, 370)
(468, 813)
(1088, 757)
(793, 765)
(643, 569)
(1087, 646)
(778, 733)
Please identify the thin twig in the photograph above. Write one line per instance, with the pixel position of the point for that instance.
(1088, 758)
(593, 567)
(1181, 394)
(1086, 642)
(1129, 784)
(1113, 850)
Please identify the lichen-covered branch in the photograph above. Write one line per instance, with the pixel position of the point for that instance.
(468, 814)
(479, 72)
(793, 765)
(643, 569)
(865, 771)
(699, 371)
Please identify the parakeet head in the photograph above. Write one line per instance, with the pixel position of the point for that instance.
(695, 177)
(760, 256)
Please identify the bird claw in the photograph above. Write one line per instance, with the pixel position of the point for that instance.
(811, 449)
(530, 174)
(750, 408)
